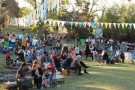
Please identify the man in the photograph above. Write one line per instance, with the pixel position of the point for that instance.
(45, 59)
(24, 42)
(22, 80)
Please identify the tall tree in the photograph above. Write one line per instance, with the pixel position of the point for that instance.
(11, 10)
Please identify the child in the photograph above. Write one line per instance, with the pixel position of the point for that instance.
(8, 59)
(48, 77)
(17, 63)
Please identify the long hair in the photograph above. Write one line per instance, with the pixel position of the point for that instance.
(34, 63)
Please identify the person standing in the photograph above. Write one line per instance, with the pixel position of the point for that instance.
(37, 74)
(24, 43)
(87, 50)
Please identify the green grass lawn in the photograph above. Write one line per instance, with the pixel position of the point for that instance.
(100, 77)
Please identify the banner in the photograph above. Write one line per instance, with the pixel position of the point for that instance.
(106, 25)
(126, 24)
(101, 24)
(110, 25)
(80, 24)
(89, 24)
(71, 23)
(130, 25)
(114, 24)
(123, 25)
(134, 26)
(93, 24)
(63, 23)
(118, 24)
(76, 24)
(84, 24)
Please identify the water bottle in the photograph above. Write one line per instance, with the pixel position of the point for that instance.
(8, 82)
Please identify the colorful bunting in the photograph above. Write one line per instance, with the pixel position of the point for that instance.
(114, 24)
(58, 6)
(134, 26)
(89, 24)
(50, 23)
(84, 24)
(118, 24)
(93, 24)
(102, 24)
(106, 25)
(58, 22)
(126, 24)
(130, 25)
(49, 3)
(71, 23)
(76, 24)
(122, 25)
(80, 23)
(110, 25)
(54, 22)
(63, 23)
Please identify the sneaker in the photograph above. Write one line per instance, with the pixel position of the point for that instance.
(87, 66)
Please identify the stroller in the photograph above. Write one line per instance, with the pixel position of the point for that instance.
(50, 77)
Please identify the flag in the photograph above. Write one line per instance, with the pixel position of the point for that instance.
(130, 25)
(93, 24)
(106, 25)
(110, 25)
(118, 25)
(58, 22)
(126, 24)
(49, 5)
(122, 25)
(50, 22)
(71, 23)
(76, 24)
(102, 24)
(114, 24)
(89, 24)
(58, 7)
(63, 23)
(84, 24)
(80, 24)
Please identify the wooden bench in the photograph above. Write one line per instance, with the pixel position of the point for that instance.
(10, 85)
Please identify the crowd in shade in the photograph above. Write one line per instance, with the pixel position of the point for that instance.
(46, 61)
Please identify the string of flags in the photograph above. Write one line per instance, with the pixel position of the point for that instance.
(39, 13)
(52, 5)
(90, 24)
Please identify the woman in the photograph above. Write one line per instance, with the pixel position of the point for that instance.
(64, 58)
(87, 50)
(37, 74)
(57, 62)
(77, 64)
(106, 57)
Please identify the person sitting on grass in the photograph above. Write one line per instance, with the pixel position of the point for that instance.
(21, 77)
(106, 57)
(8, 59)
(76, 64)
(113, 59)
(97, 57)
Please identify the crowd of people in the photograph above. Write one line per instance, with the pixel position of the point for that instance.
(44, 61)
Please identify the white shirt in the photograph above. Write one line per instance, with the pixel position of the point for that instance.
(77, 50)
(34, 42)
